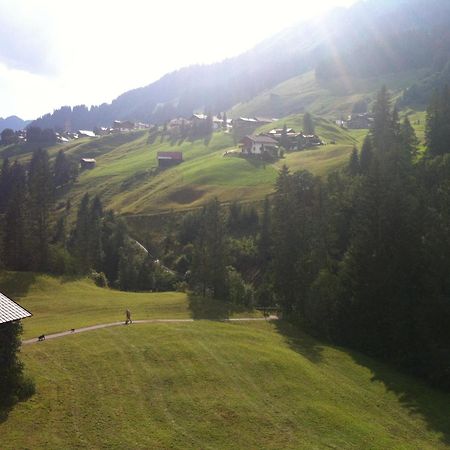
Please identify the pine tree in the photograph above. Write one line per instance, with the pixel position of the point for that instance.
(11, 368)
(265, 238)
(209, 260)
(95, 234)
(40, 202)
(64, 170)
(354, 165)
(437, 131)
(308, 124)
(382, 130)
(284, 141)
(16, 237)
(408, 137)
(5, 185)
(366, 156)
(81, 235)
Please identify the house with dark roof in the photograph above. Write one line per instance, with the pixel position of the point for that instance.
(259, 145)
(87, 163)
(11, 311)
(169, 159)
(86, 133)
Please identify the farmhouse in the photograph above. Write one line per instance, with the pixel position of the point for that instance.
(258, 145)
(87, 163)
(86, 133)
(359, 121)
(10, 311)
(169, 159)
(123, 125)
(198, 117)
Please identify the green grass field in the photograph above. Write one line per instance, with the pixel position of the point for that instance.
(210, 385)
(204, 384)
(126, 178)
(329, 99)
(59, 305)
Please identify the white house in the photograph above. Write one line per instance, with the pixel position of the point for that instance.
(257, 145)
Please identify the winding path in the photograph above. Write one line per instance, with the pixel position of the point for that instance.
(116, 324)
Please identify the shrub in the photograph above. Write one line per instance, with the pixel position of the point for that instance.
(99, 279)
(239, 292)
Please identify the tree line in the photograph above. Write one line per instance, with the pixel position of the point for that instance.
(39, 235)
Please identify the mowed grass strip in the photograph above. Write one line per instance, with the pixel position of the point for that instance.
(218, 386)
(59, 305)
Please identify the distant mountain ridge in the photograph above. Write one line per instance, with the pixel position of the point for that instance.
(13, 122)
(370, 38)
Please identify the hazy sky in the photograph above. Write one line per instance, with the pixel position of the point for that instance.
(69, 52)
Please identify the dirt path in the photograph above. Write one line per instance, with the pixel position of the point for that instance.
(116, 324)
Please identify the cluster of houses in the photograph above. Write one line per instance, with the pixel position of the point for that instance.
(360, 121)
(244, 124)
(116, 127)
(270, 143)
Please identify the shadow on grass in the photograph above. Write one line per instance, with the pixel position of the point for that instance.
(419, 398)
(211, 309)
(16, 284)
(299, 341)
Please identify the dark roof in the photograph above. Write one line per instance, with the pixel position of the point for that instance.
(11, 311)
(262, 140)
(171, 155)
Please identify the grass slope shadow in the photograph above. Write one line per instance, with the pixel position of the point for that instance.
(299, 341)
(432, 404)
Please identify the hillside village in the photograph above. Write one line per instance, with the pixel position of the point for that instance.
(269, 145)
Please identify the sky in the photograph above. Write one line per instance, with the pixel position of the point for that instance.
(71, 52)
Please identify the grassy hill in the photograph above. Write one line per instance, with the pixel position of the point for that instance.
(325, 98)
(127, 179)
(60, 304)
(204, 384)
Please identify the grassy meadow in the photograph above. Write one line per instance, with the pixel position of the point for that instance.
(59, 304)
(127, 179)
(330, 98)
(213, 385)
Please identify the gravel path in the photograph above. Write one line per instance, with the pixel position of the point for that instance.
(116, 324)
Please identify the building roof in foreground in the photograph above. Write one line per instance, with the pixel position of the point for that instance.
(11, 311)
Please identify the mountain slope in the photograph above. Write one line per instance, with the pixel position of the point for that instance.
(126, 177)
(370, 38)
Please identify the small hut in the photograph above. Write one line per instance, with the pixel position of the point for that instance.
(87, 163)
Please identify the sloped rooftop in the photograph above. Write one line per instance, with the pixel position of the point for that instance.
(11, 311)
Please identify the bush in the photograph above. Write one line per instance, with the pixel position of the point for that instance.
(99, 279)
(239, 292)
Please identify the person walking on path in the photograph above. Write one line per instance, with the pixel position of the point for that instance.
(128, 314)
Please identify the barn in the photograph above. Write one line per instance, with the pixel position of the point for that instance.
(169, 159)
(87, 163)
